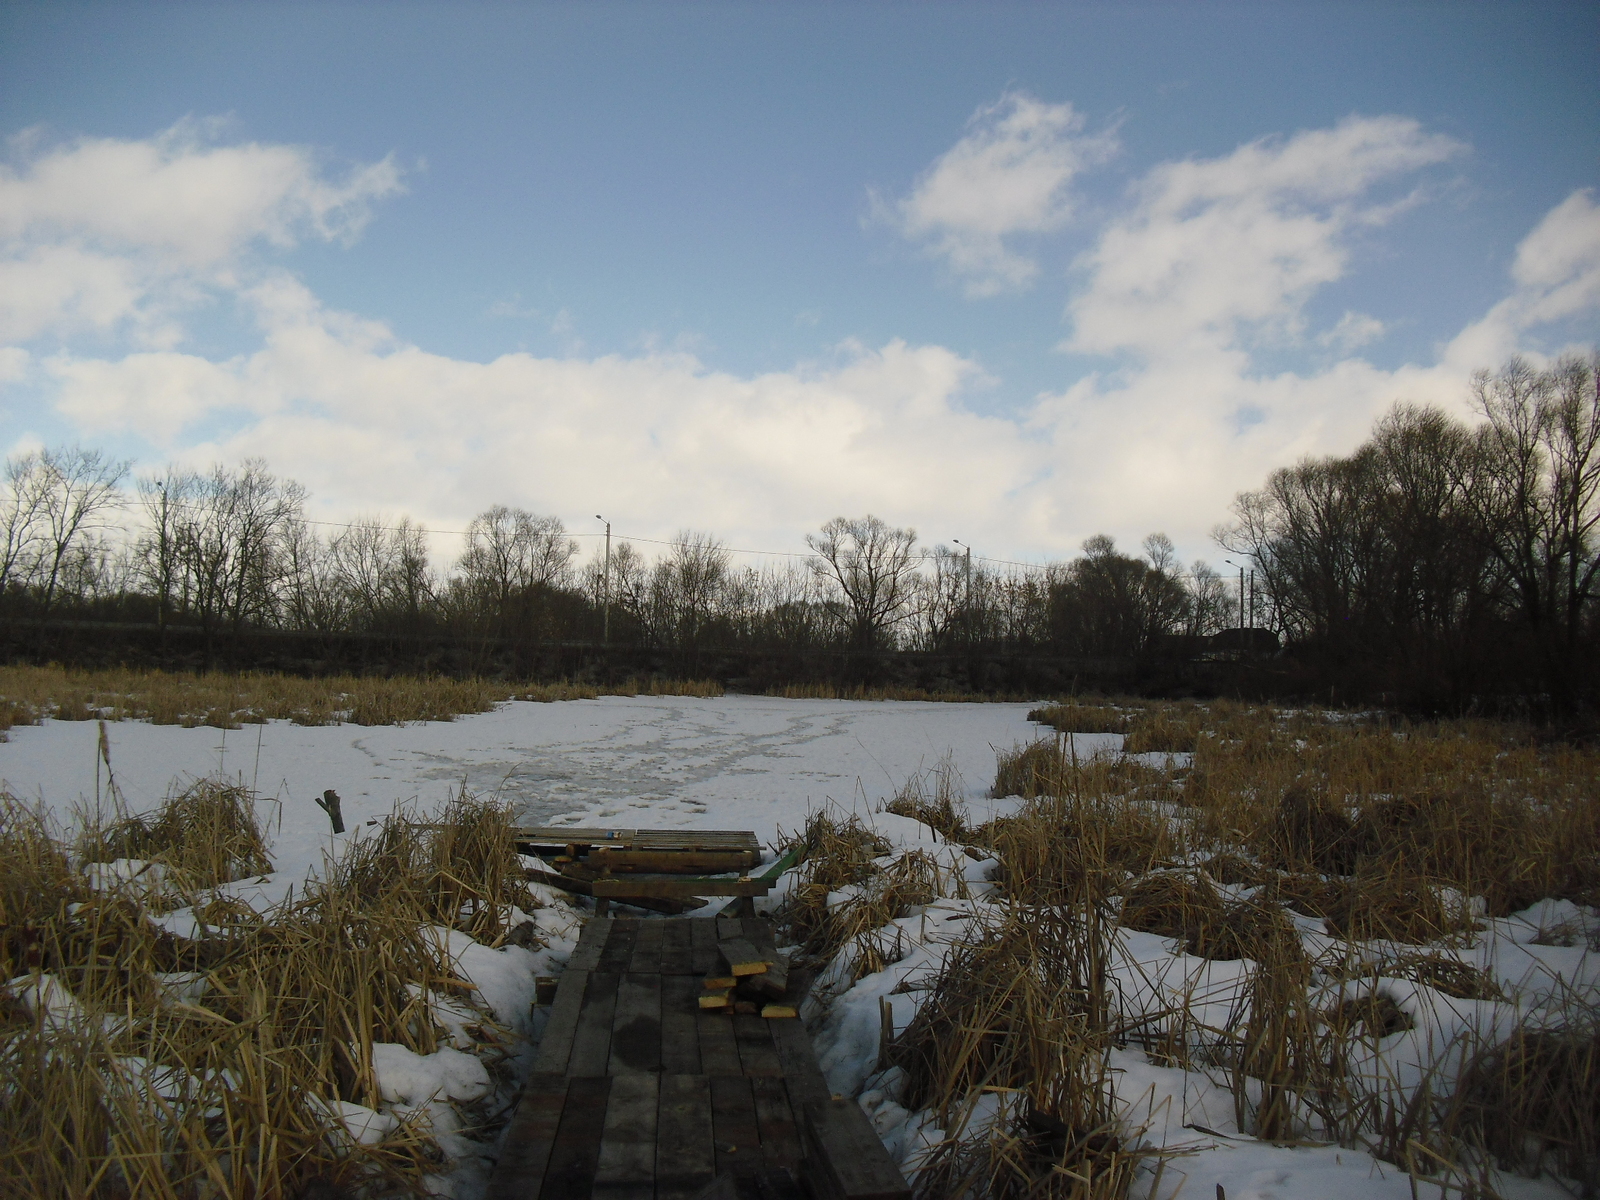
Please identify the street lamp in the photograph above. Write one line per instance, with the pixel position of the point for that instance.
(605, 592)
(1231, 563)
(967, 602)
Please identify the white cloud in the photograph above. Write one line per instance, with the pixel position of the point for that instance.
(99, 232)
(1353, 331)
(658, 440)
(1217, 249)
(1010, 174)
(1207, 253)
(1557, 276)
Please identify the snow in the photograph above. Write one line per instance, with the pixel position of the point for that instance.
(736, 762)
(411, 1078)
(762, 764)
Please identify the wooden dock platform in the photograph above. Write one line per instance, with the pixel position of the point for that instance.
(639, 1094)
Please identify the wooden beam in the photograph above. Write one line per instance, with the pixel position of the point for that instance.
(844, 1160)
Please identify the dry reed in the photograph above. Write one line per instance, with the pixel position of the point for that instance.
(28, 694)
(206, 1066)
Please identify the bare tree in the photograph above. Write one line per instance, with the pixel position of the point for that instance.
(511, 558)
(80, 490)
(874, 566)
(20, 517)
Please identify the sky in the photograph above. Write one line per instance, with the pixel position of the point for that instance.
(1013, 274)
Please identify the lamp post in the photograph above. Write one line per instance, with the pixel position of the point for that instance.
(605, 587)
(967, 600)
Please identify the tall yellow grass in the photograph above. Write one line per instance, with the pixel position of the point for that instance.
(28, 694)
(205, 1066)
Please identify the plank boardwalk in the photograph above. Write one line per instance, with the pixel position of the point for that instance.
(638, 1094)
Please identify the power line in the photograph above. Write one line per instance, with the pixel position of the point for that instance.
(923, 557)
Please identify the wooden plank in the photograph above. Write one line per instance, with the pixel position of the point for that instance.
(559, 837)
(680, 1043)
(844, 1160)
(742, 957)
(673, 862)
(636, 1025)
(618, 952)
(647, 948)
(685, 1157)
(626, 1169)
(581, 887)
(555, 1047)
(780, 1133)
(570, 1172)
(591, 1043)
(677, 948)
(529, 1138)
(735, 1134)
(590, 942)
(672, 887)
(799, 1062)
(703, 955)
(719, 1049)
(757, 1054)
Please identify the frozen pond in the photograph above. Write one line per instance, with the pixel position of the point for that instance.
(739, 762)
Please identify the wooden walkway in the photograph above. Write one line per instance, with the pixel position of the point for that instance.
(639, 1094)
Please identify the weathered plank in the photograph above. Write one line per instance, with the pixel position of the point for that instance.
(703, 955)
(757, 1054)
(557, 836)
(529, 1138)
(618, 951)
(736, 1134)
(647, 948)
(677, 948)
(801, 1074)
(590, 942)
(719, 1050)
(591, 1043)
(570, 1173)
(780, 1134)
(742, 958)
(621, 887)
(685, 1157)
(555, 1047)
(680, 1043)
(685, 861)
(844, 1160)
(636, 1025)
(626, 1168)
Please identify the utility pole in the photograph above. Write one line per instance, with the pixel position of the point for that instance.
(1252, 597)
(1231, 563)
(967, 603)
(605, 589)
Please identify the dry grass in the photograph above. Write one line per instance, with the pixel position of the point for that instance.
(836, 691)
(225, 701)
(1534, 1101)
(933, 798)
(220, 1087)
(1019, 1019)
(1380, 828)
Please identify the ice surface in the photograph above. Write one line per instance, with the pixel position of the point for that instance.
(735, 762)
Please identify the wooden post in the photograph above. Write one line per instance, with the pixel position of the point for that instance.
(328, 802)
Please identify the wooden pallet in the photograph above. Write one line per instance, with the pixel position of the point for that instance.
(637, 1093)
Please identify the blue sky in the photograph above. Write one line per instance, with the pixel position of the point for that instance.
(1009, 273)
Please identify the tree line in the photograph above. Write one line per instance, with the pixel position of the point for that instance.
(231, 550)
(1441, 562)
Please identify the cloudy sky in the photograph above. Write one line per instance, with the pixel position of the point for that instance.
(1009, 274)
